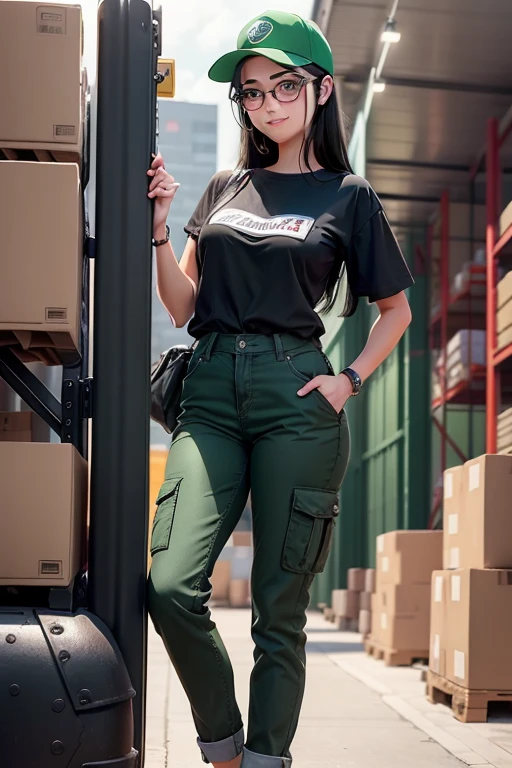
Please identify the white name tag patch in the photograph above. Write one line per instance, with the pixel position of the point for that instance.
(288, 225)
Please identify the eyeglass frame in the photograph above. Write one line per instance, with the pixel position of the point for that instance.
(304, 81)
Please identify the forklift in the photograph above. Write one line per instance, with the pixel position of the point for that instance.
(73, 657)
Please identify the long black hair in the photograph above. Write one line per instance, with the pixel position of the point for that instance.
(327, 136)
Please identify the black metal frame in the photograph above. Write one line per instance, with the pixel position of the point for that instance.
(126, 124)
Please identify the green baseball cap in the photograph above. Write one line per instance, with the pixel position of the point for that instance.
(283, 37)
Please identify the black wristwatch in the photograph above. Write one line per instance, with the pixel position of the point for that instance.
(165, 240)
(355, 380)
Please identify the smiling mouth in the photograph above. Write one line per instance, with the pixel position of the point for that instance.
(277, 122)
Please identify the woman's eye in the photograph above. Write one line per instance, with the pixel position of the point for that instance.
(250, 94)
(290, 86)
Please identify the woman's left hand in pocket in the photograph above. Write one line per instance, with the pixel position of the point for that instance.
(335, 389)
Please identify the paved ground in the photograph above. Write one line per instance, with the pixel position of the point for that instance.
(350, 717)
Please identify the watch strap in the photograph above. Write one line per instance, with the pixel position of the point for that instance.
(155, 243)
(355, 379)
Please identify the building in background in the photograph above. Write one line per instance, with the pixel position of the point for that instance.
(188, 143)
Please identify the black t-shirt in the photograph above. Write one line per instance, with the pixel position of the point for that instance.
(265, 255)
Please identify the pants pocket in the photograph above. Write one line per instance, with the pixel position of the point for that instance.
(164, 516)
(310, 529)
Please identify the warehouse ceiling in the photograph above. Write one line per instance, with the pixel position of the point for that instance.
(450, 72)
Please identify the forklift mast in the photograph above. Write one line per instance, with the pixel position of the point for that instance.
(73, 663)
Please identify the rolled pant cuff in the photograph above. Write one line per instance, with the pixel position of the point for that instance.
(256, 760)
(220, 751)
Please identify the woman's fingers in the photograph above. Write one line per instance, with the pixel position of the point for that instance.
(164, 191)
(158, 162)
(160, 177)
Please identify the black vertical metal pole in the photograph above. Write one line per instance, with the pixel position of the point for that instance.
(122, 329)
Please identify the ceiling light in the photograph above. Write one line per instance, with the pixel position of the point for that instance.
(390, 35)
(379, 86)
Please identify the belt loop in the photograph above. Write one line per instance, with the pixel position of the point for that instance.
(209, 347)
(279, 347)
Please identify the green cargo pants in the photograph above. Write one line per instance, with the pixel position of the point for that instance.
(244, 428)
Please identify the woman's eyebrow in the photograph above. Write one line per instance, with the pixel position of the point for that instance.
(272, 77)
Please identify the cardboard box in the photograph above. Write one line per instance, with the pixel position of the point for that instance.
(239, 593)
(42, 82)
(356, 579)
(504, 338)
(22, 427)
(486, 526)
(438, 622)
(504, 317)
(479, 629)
(369, 582)
(242, 538)
(345, 603)
(404, 616)
(504, 420)
(506, 219)
(405, 633)
(365, 601)
(452, 512)
(504, 290)
(44, 499)
(220, 580)
(365, 622)
(41, 285)
(408, 557)
(376, 617)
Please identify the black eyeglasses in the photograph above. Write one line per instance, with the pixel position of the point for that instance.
(285, 91)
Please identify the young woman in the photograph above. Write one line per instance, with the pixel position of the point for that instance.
(262, 409)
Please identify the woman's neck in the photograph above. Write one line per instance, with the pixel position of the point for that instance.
(291, 159)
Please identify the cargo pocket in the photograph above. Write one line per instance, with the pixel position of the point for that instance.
(164, 516)
(309, 534)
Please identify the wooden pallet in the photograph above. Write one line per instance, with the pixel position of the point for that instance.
(467, 706)
(391, 657)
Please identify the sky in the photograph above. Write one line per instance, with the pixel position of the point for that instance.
(195, 34)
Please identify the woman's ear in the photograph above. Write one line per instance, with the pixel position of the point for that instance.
(326, 88)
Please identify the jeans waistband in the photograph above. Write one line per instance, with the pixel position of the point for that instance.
(251, 343)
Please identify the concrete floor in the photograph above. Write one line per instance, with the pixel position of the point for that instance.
(345, 722)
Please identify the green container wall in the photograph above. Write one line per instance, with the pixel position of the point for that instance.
(387, 485)
(467, 429)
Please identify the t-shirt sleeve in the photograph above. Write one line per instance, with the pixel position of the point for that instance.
(215, 187)
(376, 267)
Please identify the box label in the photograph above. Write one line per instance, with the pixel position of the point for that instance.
(455, 589)
(380, 544)
(64, 130)
(474, 477)
(56, 314)
(437, 647)
(459, 664)
(454, 557)
(383, 621)
(453, 525)
(385, 564)
(438, 590)
(50, 20)
(448, 485)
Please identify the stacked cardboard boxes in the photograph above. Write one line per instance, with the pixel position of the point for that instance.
(365, 606)
(401, 603)
(347, 603)
(504, 429)
(463, 351)
(471, 606)
(42, 86)
(504, 311)
(40, 289)
(231, 578)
